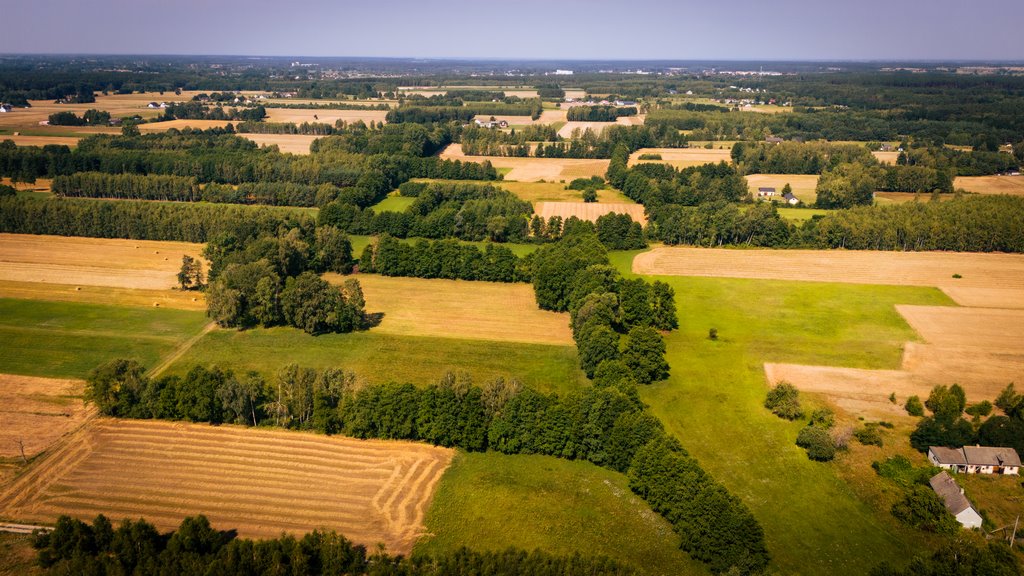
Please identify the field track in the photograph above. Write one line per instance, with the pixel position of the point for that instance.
(261, 482)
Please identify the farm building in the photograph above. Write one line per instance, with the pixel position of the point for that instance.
(790, 199)
(5, 108)
(492, 124)
(774, 140)
(765, 192)
(953, 497)
(976, 459)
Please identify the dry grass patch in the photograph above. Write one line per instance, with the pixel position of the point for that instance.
(36, 412)
(534, 169)
(886, 157)
(1012, 185)
(984, 276)
(598, 127)
(535, 192)
(461, 309)
(683, 157)
(182, 124)
(300, 115)
(290, 143)
(803, 185)
(590, 210)
(71, 141)
(137, 264)
(261, 482)
(102, 295)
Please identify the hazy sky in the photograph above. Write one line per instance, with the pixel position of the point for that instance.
(594, 29)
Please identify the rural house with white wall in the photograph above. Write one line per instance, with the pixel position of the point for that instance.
(976, 459)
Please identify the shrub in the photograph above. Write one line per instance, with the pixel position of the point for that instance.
(822, 418)
(817, 442)
(900, 470)
(869, 435)
(923, 509)
(650, 156)
(914, 407)
(783, 400)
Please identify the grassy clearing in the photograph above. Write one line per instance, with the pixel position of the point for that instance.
(68, 339)
(534, 192)
(801, 214)
(815, 520)
(999, 497)
(380, 358)
(394, 203)
(492, 501)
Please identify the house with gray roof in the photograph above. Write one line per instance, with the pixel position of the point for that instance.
(956, 502)
(976, 459)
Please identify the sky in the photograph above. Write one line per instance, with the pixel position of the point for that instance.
(523, 29)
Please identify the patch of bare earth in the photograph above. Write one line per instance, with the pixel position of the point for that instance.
(261, 482)
(36, 412)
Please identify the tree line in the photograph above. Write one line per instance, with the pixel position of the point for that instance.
(90, 117)
(605, 424)
(450, 259)
(195, 548)
(598, 113)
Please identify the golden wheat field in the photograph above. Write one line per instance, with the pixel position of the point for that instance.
(683, 157)
(1012, 185)
(290, 143)
(261, 482)
(300, 115)
(461, 309)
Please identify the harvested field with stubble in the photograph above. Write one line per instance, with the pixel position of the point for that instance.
(290, 143)
(102, 295)
(20, 140)
(987, 279)
(323, 116)
(37, 412)
(683, 157)
(1012, 185)
(534, 169)
(589, 211)
(261, 482)
(182, 124)
(461, 309)
(136, 264)
(598, 127)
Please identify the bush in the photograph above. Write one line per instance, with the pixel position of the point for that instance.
(783, 400)
(869, 435)
(590, 195)
(818, 443)
(900, 470)
(823, 418)
(650, 156)
(923, 509)
(914, 407)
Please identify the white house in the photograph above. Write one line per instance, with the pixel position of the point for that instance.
(4, 108)
(953, 497)
(790, 199)
(976, 459)
(765, 192)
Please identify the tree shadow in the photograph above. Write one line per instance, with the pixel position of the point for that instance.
(373, 319)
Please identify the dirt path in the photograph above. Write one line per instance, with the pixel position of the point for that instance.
(181, 350)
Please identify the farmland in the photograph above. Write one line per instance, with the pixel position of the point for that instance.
(803, 185)
(68, 339)
(259, 482)
(536, 192)
(683, 157)
(590, 211)
(461, 309)
(492, 501)
(37, 412)
(535, 169)
(1013, 185)
(380, 358)
(300, 115)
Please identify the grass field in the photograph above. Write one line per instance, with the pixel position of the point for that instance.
(290, 143)
(815, 522)
(803, 185)
(259, 482)
(380, 358)
(1013, 185)
(68, 339)
(492, 501)
(494, 311)
(590, 211)
(394, 203)
(535, 192)
(801, 214)
(683, 157)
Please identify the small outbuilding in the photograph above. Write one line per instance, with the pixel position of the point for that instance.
(956, 502)
(790, 199)
(774, 140)
(976, 459)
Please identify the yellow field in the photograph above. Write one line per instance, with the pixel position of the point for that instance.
(546, 117)
(134, 264)
(290, 143)
(36, 412)
(461, 309)
(535, 169)
(534, 192)
(300, 115)
(261, 482)
(590, 211)
(119, 106)
(803, 185)
(683, 157)
(71, 141)
(886, 157)
(570, 127)
(180, 124)
(1012, 185)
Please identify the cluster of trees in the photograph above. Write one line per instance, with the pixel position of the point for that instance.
(426, 114)
(654, 185)
(796, 157)
(604, 424)
(588, 186)
(308, 128)
(847, 185)
(598, 113)
(720, 224)
(620, 232)
(90, 117)
(477, 141)
(449, 259)
(946, 426)
(471, 212)
(126, 186)
(198, 111)
(965, 556)
(919, 507)
(196, 548)
(961, 162)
